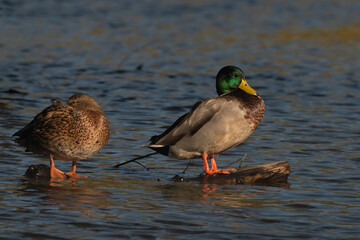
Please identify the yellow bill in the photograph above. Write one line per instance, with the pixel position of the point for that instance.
(246, 87)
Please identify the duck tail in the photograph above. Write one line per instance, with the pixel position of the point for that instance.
(153, 146)
(135, 159)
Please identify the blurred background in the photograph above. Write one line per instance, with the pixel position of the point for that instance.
(147, 63)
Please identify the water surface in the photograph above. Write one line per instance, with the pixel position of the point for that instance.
(147, 63)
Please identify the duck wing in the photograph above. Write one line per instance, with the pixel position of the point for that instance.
(188, 124)
(44, 126)
(38, 119)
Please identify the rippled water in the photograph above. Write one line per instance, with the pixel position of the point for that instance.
(147, 62)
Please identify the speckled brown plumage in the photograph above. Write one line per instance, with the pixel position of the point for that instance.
(70, 132)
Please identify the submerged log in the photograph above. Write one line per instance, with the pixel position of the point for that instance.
(38, 171)
(274, 174)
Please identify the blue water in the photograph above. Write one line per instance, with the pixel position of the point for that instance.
(147, 63)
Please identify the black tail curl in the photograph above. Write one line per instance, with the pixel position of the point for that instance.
(135, 160)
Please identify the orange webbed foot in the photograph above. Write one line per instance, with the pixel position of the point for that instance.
(220, 171)
(56, 173)
(71, 175)
(214, 169)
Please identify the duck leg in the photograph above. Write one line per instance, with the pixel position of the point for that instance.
(54, 172)
(214, 168)
(72, 173)
(205, 163)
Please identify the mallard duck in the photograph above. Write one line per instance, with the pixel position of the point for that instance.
(69, 132)
(215, 124)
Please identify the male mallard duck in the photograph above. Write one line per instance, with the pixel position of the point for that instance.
(214, 124)
(70, 132)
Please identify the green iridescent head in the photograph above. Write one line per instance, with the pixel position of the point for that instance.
(230, 78)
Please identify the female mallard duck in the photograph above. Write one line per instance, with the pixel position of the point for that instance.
(70, 132)
(214, 124)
